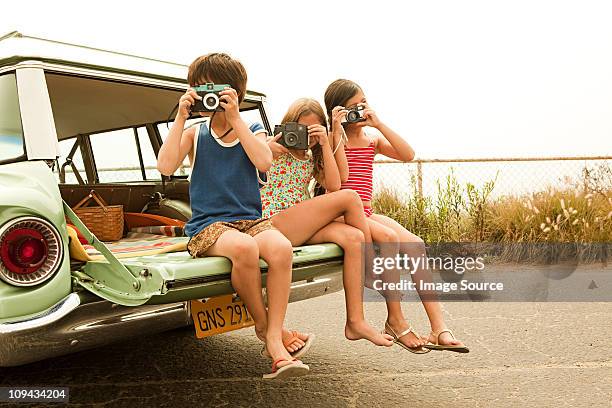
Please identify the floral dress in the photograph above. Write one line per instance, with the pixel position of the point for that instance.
(288, 180)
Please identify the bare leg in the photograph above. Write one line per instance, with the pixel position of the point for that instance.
(351, 240)
(276, 250)
(241, 249)
(301, 221)
(414, 247)
(389, 241)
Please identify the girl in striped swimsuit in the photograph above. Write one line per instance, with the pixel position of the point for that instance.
(392, 238)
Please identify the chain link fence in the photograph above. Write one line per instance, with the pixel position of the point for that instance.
(510, 176)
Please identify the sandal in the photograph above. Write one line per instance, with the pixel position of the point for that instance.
(449, 347)
(294, 336)
(295, 368)
(418, 350)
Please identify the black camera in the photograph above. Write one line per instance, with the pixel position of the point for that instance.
(210, 98)
(355, 115)
(295, 136)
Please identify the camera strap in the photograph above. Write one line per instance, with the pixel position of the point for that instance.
(343, 139)
(227, 132)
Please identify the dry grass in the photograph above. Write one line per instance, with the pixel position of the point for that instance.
(580, 215)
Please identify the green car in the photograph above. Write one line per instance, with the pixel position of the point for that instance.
(75, 119)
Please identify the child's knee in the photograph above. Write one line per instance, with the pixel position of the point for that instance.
(244, 252)
(413, 244)
(387, 235)
(352, 238)
(350, 197)
(280, 251)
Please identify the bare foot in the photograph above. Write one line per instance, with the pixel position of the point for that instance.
(409, 340)
(276, 349)
(260, 332)
(362, 330)
(297, 343)
(445, 339)
(292, 347)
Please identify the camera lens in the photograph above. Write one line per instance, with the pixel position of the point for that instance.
(211, 101)
(352, 116)
(291, 139)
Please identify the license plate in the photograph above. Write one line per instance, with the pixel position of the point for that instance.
(219, 315)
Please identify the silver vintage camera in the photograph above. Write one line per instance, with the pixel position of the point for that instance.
(355, 115)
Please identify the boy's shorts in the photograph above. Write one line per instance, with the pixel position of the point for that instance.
(203, 240)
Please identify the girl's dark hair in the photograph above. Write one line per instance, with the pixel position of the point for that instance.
(306, 106)
(338, 93)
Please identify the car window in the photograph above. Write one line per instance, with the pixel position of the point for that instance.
(252, 116)
(148, 156)
(72, 167)
(163, 128)
(11, 132)
(116, 156)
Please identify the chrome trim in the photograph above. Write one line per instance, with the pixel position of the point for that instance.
(88, 326)
(7, 68)
(316, 287)
(49, 316)
(92, 73)
(55, 253)
(186, 283)
(74, 325)
(114, 76)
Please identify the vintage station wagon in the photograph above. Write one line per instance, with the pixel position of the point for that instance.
(76, 119)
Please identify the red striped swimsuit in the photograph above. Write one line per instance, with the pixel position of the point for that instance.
(360, 163)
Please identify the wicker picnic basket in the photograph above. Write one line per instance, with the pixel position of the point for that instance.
(104, 221)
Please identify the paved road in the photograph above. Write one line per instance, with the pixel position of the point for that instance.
(552, 354)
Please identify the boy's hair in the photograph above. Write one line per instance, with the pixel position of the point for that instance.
(219, 68)
(306, 106)
(338, 93)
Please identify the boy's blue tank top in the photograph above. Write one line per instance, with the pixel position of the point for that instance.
(224, 184)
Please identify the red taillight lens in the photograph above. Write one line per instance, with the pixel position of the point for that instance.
(30, 251)
(23, 250)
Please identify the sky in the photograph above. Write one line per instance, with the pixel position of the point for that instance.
(457, 79)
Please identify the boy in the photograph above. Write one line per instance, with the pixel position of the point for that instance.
(225, 156)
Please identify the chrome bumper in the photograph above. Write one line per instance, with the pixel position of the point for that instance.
(75, 324)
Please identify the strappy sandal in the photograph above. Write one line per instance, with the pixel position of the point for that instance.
(295, 368)
(294, 336)
(448, 347)
(389, 330)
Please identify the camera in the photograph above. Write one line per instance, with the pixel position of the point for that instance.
(210, 98)
(295, 136)
(355, 115)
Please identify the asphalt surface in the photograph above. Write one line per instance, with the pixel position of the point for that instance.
(522, 354)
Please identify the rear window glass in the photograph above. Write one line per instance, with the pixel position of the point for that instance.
(11, 132)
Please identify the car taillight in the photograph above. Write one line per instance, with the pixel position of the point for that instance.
(30, 251)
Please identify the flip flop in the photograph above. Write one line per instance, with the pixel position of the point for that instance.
(295, 368)
(442, 347)
(294, 336)
(388, 330)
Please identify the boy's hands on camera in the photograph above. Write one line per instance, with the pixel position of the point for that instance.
(229, 102)
(185, 103)
(277, 148)
(319, 134)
